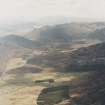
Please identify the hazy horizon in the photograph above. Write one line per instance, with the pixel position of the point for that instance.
(12, 11)
(17, 15)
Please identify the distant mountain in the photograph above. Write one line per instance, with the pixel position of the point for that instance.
(64, 33)
(98, 34)
(19, 41)
(16, 27)
(58, 35)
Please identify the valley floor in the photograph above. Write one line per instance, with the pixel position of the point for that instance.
(19, 95)
(24, 91)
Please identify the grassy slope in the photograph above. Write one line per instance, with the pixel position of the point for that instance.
(15, 90)
(20, 88)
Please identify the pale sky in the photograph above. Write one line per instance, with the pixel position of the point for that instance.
(34, 9)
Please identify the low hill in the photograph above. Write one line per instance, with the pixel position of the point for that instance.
(89, 58)
(19, 41)
(64, 32)
(98, 34)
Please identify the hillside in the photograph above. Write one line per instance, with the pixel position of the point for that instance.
(98, 34)
(71, 73)
(19, 41)
(91, 91)
(64, 32)
(6, 53)
(88, 58)
(57, 35)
